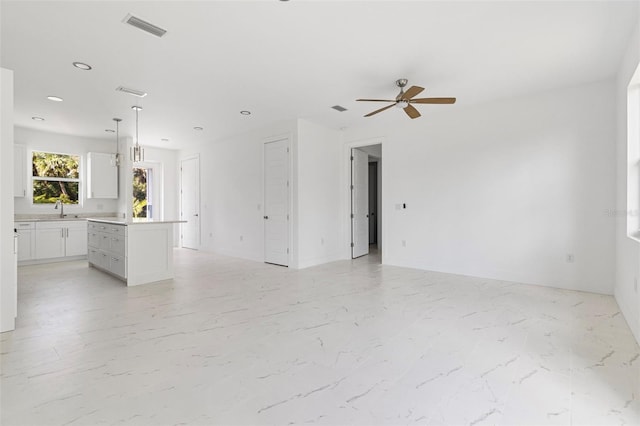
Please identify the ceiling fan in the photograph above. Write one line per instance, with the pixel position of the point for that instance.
(405, 99)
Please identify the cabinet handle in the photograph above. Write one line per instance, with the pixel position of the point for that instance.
(115, 259)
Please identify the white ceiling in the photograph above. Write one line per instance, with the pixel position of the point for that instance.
(295, 59)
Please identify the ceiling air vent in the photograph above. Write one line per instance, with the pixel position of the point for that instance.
(133, 92)
(144, 25)
(339, 108)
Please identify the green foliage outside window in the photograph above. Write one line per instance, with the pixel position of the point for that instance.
(55, 177)
(139, 192)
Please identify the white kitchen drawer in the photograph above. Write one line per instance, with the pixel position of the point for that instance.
(117, 230)
(118, 265)
(118, 245)
(93, 239)
(104, 241)
(95, 256)
(101, 227)
(24, 225)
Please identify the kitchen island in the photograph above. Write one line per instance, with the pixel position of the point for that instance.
(137, 252)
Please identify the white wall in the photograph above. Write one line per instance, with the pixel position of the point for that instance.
(231, 190)
(504, 190)
(8, 284)
(36, 140)
(627, 250)
(318, 183)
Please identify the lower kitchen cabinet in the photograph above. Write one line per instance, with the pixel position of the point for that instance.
(108, 247)
(57, 239)
(26, 240)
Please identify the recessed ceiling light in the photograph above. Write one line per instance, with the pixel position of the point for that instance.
(37, 118)
(198, 128)
(245, 112)
(109, 130)
(54, 98)
(164, 140)
(82, 66)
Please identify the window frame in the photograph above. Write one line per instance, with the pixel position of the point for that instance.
(79, 179)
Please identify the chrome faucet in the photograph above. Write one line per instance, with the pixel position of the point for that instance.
(61, 205)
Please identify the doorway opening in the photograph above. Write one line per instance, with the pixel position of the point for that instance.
(366, 199)
(143, 189)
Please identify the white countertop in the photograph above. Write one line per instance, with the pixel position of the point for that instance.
(51, 219)
(130, 222)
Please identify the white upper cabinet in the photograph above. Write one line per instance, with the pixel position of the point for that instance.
(102, 175)
(19, 171)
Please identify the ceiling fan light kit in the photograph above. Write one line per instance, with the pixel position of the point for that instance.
(405, 99)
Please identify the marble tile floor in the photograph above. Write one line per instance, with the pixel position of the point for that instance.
(235, 342)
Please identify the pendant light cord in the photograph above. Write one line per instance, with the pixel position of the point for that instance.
(137, 139)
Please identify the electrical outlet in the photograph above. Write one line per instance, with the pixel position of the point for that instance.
(635, 284)
(570, 258)
(404, 243)
(100, 206)
(210, 234)
(241, 238)
(321, 241)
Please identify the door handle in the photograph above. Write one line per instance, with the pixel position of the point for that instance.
(266, 217)
(367, 215)
(196, 215)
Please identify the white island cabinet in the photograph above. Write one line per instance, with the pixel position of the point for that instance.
(135, 252)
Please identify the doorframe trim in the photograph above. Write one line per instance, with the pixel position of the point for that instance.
(346, 194)
(199, 177)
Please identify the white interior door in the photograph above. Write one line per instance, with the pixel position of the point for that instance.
(276, 202)
(190, 202)
(359, 203)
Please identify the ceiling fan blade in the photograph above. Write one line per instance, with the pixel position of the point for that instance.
(412, 91)
(375, 100)
(379, 110)
(433, 101)
(411, 111)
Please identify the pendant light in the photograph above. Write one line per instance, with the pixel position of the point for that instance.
(137, 152)
(116, 161)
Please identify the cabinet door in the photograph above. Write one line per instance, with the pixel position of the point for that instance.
(50, 242)
(20, 171)
(25, 246)
(102, 176)
(76, 238)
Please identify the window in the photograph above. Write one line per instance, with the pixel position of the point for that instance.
(55, 177)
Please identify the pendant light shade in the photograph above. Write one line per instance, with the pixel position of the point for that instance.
(137, 152)
(117, 157)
